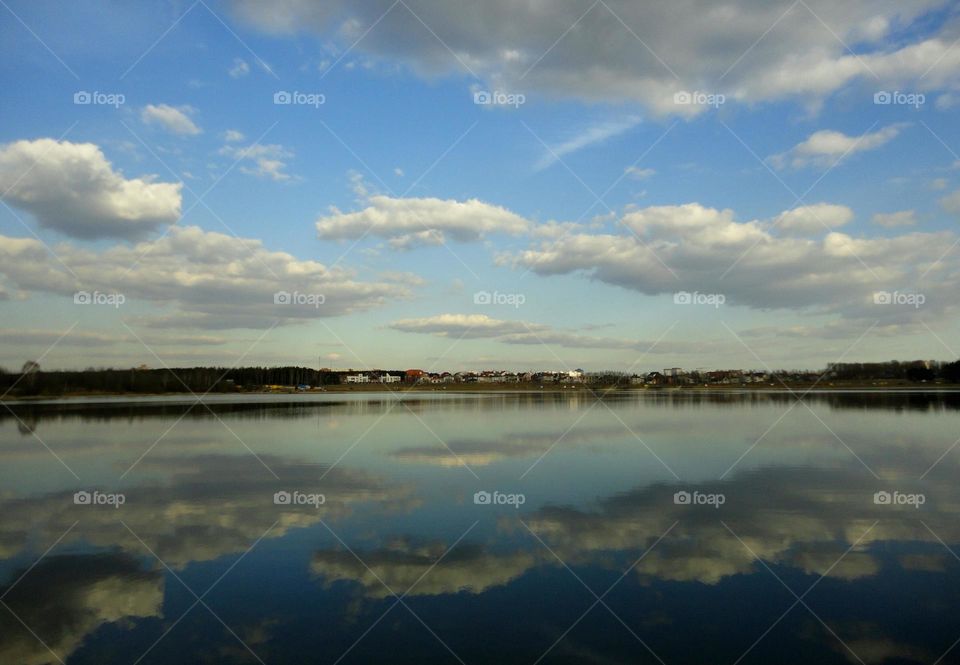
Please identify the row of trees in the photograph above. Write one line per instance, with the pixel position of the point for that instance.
(31, 380)
(893, 370)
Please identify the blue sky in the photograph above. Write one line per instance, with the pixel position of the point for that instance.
(789, 201)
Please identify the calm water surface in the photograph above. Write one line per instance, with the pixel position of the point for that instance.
(642, 528)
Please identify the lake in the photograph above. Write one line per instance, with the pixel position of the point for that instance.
(642, 527)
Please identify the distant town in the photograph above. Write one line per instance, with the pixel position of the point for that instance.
(918, 371)
(34, 381)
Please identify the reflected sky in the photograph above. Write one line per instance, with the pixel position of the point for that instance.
(601, 562)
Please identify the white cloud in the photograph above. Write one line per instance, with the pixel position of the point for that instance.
(594, 135)
(893, 219)
(827, 147)
(239, 69)
(233, 136)
(466, 326)
(708, 251)
(45, 338)
(638, 173)
(525, 333)
(812, 219)
(769, 51)
(951, 202)
(72, 188)
(947, 101)
(196, 279)
(410, 222)
(269, 160)
(175, 120)
(403, 564)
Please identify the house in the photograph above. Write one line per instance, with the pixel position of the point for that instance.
(389, 378)
(655, 379)
(413, 375)
(358, 378)
(574, 376)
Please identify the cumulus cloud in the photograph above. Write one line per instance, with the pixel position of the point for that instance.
(469, 326)
(827, 147)
(569, 340)
(174, 119)
(709, 251)
(894, 219)
(513, 45)
(951, 202)
(411, 222)
(233, 136)
(198, 279)
(239, 69)
(46, 338)
(813, 219)
(638, 173)
(268, 160)
(481, 326)
(72, 188)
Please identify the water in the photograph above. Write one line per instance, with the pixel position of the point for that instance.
(784, 553)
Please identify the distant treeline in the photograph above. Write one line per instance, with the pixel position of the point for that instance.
(915, 371)
(33, 380)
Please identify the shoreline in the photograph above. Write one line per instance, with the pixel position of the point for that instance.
(517, 388)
